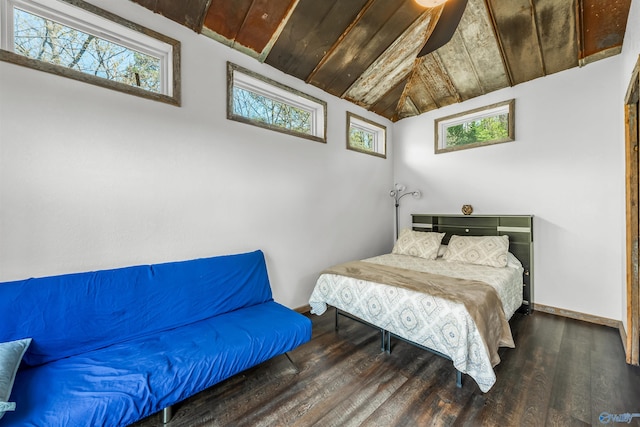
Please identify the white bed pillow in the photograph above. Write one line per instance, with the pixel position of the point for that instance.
(418, 243)
(480, 250)
(513, 262)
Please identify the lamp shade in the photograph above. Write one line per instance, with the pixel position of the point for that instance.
(430, 3)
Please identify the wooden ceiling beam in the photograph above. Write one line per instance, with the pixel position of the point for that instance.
(387, 105)
(534, 18)
(339, 40)
(361, 50)
(189, 13)
(603, 25)
(396, 62)
(329, 43)
(428, 88)
(376, 30)
(276, 34)
(496, 33)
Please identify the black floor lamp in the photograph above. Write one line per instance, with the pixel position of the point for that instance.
(397, 194)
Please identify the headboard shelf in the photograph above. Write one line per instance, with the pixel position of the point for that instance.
(519, 228)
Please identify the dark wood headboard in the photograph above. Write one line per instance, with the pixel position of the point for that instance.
(519, 228)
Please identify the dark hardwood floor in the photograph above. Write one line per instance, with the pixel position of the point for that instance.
(563, 372)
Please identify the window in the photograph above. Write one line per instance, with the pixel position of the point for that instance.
(258, 101)
(79, 41)
(366, 136)
(483, 126)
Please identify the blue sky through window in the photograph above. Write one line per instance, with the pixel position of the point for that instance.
(49, 41)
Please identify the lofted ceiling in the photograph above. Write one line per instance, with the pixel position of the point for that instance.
(366, 51)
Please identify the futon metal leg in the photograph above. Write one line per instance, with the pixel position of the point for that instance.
(167, 413)
(383, 334)
(293, 363)
(458, 379)
(336, 319)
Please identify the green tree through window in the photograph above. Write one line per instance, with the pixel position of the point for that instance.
(487, 129)
(361, 139)
(366, 136)
(493, 124)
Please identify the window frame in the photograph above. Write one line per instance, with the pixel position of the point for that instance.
(90, 19)
(442, 124)
(254, 82)
(380, 132)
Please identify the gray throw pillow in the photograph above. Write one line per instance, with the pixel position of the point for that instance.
(10, 357)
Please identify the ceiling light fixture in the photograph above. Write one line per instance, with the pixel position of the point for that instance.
(430, 3)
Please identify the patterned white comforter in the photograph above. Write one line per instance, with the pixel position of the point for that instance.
(432, 322)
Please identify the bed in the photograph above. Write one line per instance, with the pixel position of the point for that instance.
(449, 286)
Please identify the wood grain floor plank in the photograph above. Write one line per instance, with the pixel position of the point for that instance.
(556, 418)
(572, 387)
(353, 404)
(297, 400)
(509, 402)
(563, 372)
(400, 408)
(615, 388)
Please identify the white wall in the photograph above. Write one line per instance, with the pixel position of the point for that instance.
(91, 178)
(566, 167)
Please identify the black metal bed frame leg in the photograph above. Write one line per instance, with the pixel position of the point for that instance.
(385, 344)
(385, 336)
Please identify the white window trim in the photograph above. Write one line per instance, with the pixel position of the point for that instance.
(379, 135)
(82, 17)
(244, 79)
(442, 124)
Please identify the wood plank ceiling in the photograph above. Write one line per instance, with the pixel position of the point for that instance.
(365, 50)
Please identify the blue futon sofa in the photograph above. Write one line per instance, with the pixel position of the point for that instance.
(111, 347)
